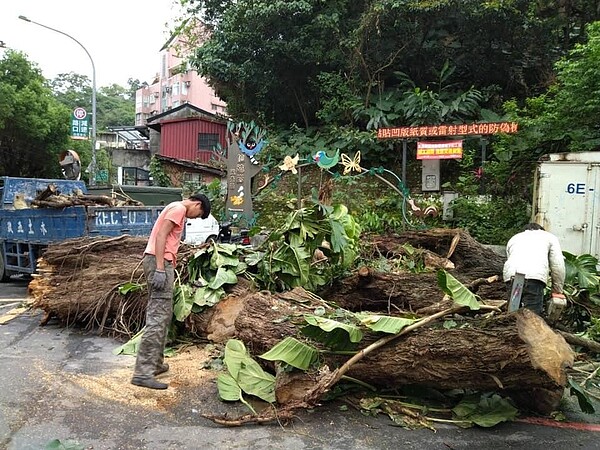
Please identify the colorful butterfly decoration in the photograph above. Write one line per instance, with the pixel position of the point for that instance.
(290, 163)
(351, 164)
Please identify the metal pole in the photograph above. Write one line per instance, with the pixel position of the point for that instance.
(404, 151)
(483, 156)
(93, 163)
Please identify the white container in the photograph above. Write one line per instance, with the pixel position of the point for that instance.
(566, 200)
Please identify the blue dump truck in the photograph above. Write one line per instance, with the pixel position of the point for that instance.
(26, 231)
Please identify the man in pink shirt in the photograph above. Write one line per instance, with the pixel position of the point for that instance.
(160, 259)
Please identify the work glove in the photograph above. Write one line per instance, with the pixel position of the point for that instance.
(159, 280)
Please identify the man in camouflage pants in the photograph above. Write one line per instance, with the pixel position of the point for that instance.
(160, 259)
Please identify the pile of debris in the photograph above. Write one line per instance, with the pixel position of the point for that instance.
(516, 354)
(51, 197)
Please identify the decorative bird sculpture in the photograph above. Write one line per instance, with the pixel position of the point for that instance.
(251, 148)
(324, 161)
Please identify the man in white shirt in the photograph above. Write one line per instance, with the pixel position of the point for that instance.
(535, 253)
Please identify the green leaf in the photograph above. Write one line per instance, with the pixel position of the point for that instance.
(582, 397)
(247, 373)
(230, 391)
(486, 410)
(293, 352)
(184, 300)
(131, 346)
(235, 354)
(205, 296)
(223, 276)
(228, 388)
(219, 260)
(384, 324)
(581, 271)
(64, 445)
(126, 288)
(456, 290)
(255, 381)
(328, 325)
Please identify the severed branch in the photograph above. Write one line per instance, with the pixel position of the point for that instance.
(572, 339)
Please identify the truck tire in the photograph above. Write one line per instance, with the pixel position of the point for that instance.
(4, 275)
(211, 238)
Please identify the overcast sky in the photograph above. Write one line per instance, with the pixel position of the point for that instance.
(123, 37)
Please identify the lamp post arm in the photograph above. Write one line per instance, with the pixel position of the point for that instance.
(93, 163)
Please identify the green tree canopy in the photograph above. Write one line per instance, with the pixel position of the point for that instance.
(34, 126)
(291, 61)
(562, 119)
(115, 105)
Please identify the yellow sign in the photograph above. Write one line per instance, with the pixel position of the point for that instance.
(439, 150)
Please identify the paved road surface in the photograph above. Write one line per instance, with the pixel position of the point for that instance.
(62, 384)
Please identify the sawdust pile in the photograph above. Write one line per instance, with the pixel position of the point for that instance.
(186, 371)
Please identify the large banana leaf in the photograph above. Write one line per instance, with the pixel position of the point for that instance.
(332, 333)
(223, 276)
(246, 372)
(184, 300)
(230, 391)
(581, 271)
(255, 381)
(384, 324)
(293, 352)
(205, 296)
(456, 290)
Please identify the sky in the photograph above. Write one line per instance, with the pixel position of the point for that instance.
(123, 37)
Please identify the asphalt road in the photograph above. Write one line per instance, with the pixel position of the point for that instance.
(53, 385)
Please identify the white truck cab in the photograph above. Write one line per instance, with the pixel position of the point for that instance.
(199, 231)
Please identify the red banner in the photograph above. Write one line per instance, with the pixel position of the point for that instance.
(439, 150)
(447, 130)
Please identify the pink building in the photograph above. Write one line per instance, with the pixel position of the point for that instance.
(175, 84)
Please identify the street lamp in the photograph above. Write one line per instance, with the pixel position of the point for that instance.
(93, 163)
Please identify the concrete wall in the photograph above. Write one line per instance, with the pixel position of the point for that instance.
(129, 158)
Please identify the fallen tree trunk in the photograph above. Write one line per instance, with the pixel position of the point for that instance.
(470, 258)
(368, 290)
(513, 353)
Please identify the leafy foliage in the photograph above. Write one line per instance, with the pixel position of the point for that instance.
(582, 289)
(292, 352)
(457, 291)
(209, 270)
(158, 174)
(34, 127)
(327, 58)
(485, 410)
(491, 220)
(315, 244)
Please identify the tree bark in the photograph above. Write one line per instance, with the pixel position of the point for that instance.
(512, 353)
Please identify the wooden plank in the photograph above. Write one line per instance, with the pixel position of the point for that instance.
(12, 314)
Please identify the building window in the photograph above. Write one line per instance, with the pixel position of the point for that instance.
(207, 141)
(134, 176)
(189, 177)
